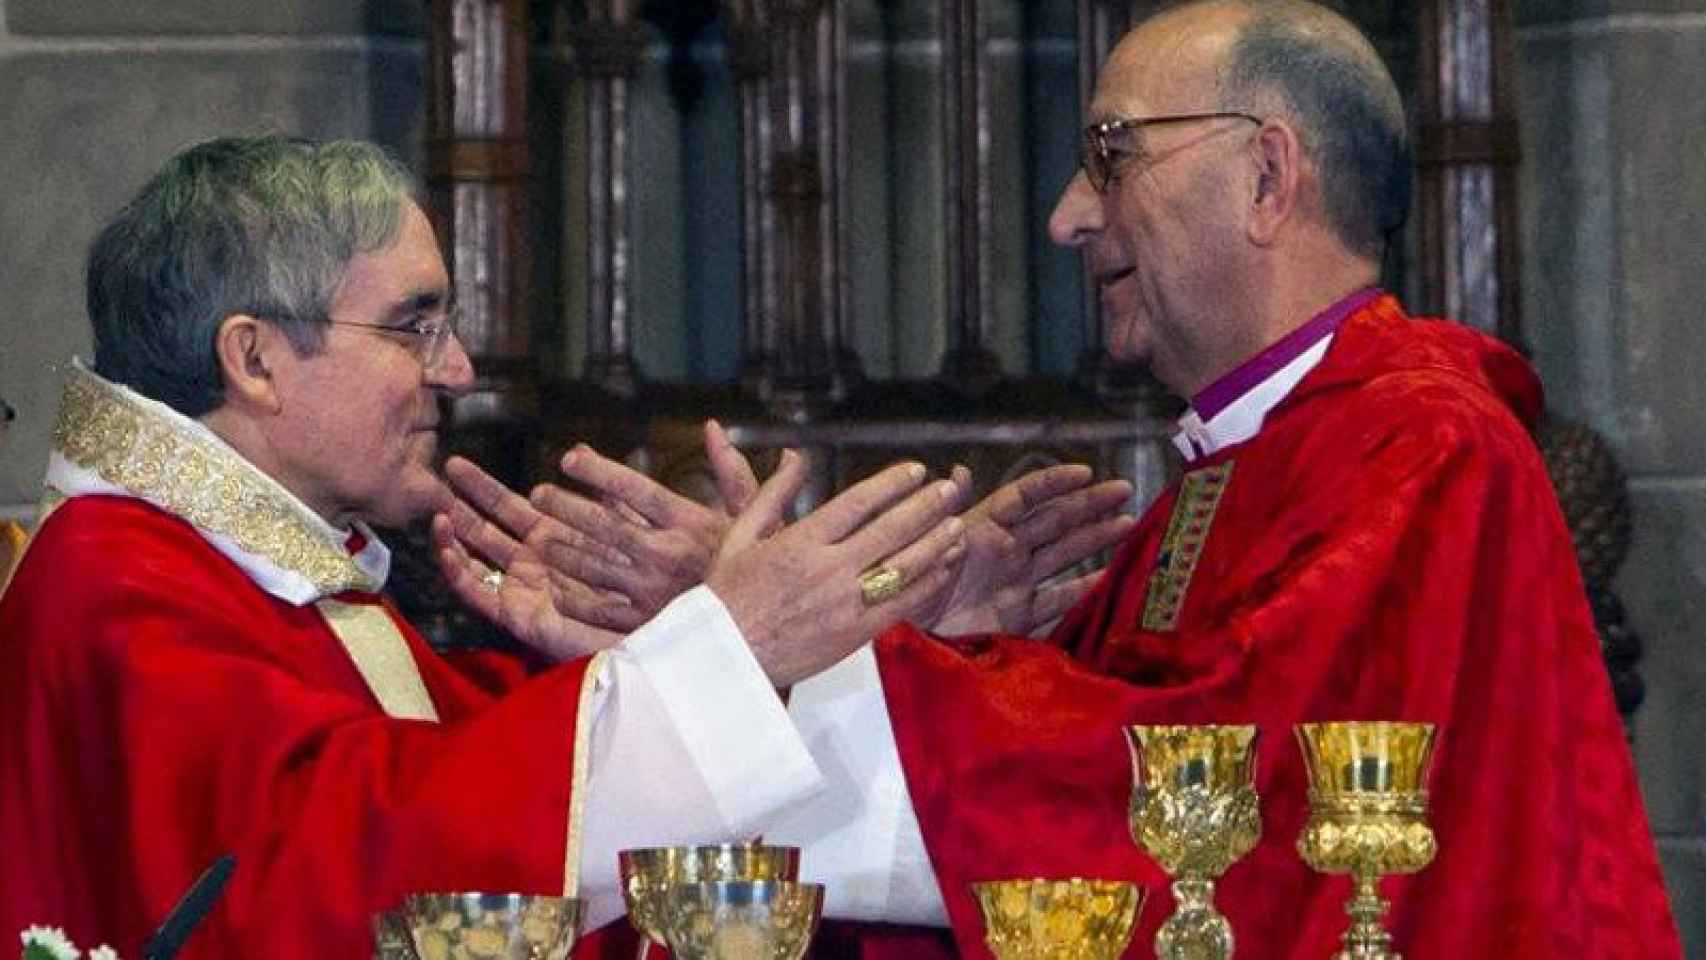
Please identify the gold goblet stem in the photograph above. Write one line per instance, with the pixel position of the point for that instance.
(1367, 938)
(1196, 928)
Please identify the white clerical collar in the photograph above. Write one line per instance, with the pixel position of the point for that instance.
(1232, 408)
(111, 440)
(1242, 419)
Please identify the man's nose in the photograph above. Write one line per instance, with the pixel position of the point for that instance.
(454, 372)
(1077, 214)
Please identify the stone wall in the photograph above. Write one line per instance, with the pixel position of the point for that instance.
(1614, 209)
(98, 93)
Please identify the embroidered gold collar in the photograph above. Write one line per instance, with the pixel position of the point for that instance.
(150, 451)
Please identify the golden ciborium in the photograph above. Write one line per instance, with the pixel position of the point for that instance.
(1194, 809)
(500, 926)
(741, 919)
(649, 873)
(1058, 919)
(1368, 807)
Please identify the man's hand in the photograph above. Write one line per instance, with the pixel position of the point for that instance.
(796, 593)
(1023, 534)
(546, 610)
(579, 573)
(648, 543)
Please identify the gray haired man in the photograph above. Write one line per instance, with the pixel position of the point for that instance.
(200, 662)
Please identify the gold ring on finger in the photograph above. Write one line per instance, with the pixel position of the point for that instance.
(881, 583)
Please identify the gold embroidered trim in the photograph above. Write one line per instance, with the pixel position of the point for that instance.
(582, 763)
(102, 430)
(1181, 547)
(382, 656)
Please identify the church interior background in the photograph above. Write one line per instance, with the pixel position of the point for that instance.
(823, 222)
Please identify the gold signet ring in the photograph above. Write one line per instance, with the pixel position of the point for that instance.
(881, 583)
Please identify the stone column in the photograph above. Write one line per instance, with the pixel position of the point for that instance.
(1614, 218)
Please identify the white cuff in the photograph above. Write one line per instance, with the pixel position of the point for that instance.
(723, 707)
(690, 745)
(860, 837)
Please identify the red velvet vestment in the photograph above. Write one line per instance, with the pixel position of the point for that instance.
(199, 666)
(1388, 546)
(159, 709)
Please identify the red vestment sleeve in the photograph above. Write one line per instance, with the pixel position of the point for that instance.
(159, 710)
(1398, 556)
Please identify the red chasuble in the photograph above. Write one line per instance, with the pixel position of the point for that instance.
(1388, 546)
(159, 709)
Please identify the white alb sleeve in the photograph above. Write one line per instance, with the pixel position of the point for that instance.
(860, 836)
(690, 744)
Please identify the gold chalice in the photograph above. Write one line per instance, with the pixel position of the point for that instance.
(1194, 809)
(649, 872)
(1368, 807)
(1058, 919)
(501, 926)
(741, 919)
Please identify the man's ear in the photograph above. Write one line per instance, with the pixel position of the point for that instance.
(245, 347)
(1277, 157)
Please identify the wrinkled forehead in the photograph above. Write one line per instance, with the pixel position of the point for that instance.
(1167, 65)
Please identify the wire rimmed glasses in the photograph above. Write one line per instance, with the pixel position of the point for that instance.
(1107, 146)
(426, 336)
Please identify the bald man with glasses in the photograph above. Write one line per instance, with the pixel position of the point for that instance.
(1363, 530)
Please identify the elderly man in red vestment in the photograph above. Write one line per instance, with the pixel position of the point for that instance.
(1363, 530)
(200, 662)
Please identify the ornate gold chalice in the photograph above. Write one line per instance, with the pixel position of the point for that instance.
(741, 919)
(500, 926)
(648, 873)
(1194, 809)
(1058, 919)
(1368, 806)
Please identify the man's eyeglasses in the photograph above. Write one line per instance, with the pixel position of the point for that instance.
(1107, 147)
(427, 335)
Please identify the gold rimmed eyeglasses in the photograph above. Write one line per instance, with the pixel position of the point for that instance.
(1108, 146)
